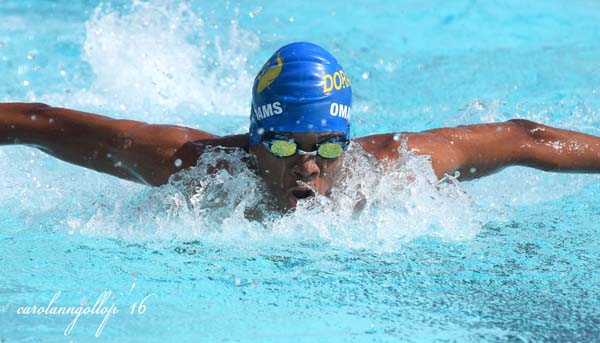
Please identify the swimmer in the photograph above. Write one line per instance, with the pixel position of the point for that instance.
(299, 131)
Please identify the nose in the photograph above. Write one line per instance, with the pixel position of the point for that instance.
(306, 168)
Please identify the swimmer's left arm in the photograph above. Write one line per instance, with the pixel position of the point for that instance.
(479, 150)
(487, 148)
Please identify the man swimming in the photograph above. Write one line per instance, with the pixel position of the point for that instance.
(299, 131)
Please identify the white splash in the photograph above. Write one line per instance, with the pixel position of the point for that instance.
(371, 208)
(160, 56)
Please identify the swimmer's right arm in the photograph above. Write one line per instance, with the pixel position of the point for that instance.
(128, 149)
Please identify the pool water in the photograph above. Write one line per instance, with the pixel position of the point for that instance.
(512, 257)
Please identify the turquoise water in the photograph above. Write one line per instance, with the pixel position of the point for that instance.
(513, 257)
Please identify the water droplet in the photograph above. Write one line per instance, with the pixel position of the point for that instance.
(255, 12)
(83, 301)
(472, 170)
(33, 117)
(365, 75)
(127, 143)
(397, 137)
(291, 19)
(50, 120)
(25, 83)
(261, 131)
(371, 329)
(178, 163)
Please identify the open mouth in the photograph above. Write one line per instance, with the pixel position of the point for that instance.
(297, 194)
(303, 193)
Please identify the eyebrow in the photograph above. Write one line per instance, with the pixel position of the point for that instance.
(329, 136)
(325, 135)
(290, 135)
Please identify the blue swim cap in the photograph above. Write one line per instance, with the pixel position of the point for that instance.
(301, 88)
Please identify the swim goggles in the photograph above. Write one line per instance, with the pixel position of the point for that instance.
(282, 146)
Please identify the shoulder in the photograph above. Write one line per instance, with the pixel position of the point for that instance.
(387, 145)
(193, 149)
(445, 157)
(233, 141)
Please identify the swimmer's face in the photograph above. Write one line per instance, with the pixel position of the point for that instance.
(291, 178)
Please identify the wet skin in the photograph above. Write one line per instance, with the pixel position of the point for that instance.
(151, 154)
(296, 177)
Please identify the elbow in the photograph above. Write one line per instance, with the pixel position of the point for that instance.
(37, 108)
(537, 143)
(39, 105)
(527, 125)
(540, 134)
(525, 138)
(531, 133)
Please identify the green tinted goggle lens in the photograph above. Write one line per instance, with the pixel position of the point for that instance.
(286, 148)
(283, 148)
(330, 150)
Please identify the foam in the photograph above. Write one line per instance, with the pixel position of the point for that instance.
(154, 60)
(370, 209)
